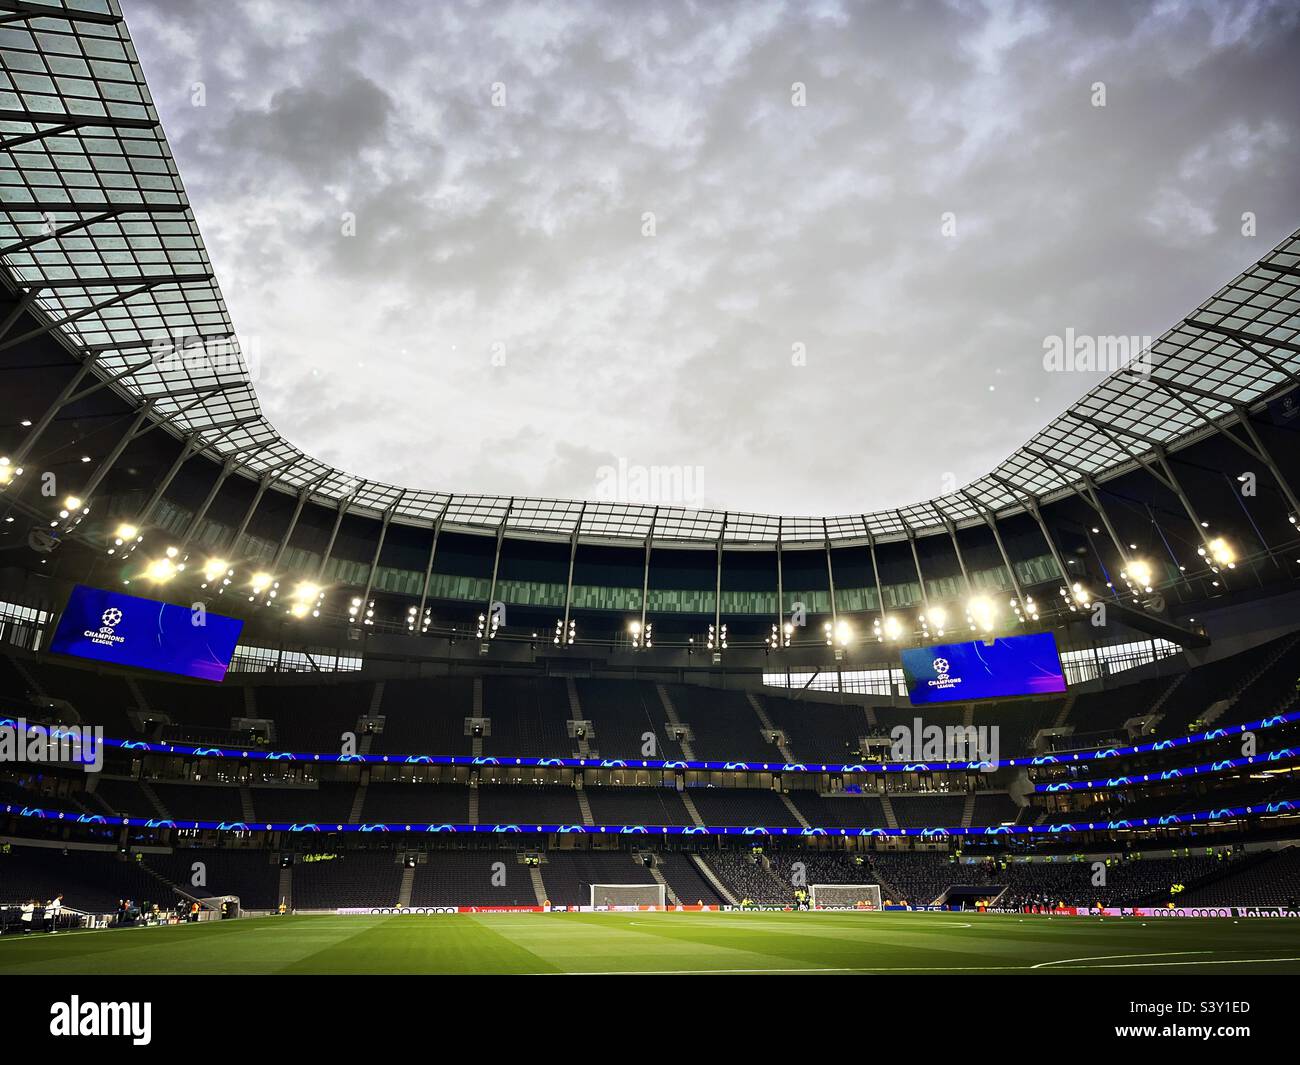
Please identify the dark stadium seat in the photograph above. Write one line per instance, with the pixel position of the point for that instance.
(508, 804)
(621, 714)
(200, 802)
(426, 716)
(928, 811)
(568, 875)
(92, 881)
(472, 878)
(423, 803)
(313, 717)
(818, 731)
(527, 717)
(685, 880)
(748, 877)
(325, 805)
(740, 806)
(253, 875)
(839, 811)
(351, 879)
(723, 724)
(636, 806)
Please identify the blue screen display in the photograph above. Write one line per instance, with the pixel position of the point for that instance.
(960, 672)
(126, 630)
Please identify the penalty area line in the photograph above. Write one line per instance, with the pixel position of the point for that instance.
(1067, 963)
(1114, 957)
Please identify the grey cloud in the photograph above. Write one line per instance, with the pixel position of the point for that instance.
(518, 229)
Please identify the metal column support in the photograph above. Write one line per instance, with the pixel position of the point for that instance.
(21, 303)
(303, 493)
(1165, 475)
(780, 583)
(496, 560)
(717, 590)
(344, 503)
(916, 561)
(192, 445)
(875, 573)
(110, 460)
(956, 547)
(263, 483)
(374, 561)
(830, 575)
(645, 572)
(568, 584)
(1093, 498)
(428, 568)
(1175, 486)
(1264, 456)
(64, 397)
(227, 468)
(1006, 559)
(1032, 504)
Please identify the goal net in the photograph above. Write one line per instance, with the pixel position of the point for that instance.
(612, 896)
(845, 897)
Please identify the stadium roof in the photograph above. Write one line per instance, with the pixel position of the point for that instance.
(98, 235)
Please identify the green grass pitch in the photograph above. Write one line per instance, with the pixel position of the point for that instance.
(672, 943)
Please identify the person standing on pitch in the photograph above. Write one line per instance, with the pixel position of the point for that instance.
(52, 910)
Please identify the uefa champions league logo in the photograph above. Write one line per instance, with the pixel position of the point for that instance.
(943, 678)
(104, 636)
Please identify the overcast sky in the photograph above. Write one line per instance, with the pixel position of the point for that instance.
(800, 324)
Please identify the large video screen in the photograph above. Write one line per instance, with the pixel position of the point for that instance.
(146, 634)
(960, 672)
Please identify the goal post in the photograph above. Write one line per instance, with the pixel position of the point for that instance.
(864, 897)
(614, 896)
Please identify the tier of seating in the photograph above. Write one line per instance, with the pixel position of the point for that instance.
(636, 806)
(476, 877)
(324, 805)
(352, 879)
(740, 806)
(622, 714)
(426, 716)
(920, 811)
(528, 804)
(1271, 879)
(568, 875)
(533, 716)
(722, 724)
(686, 880)
(95, 880)
(914, 879)
(392, 803)
(92, 881)
(839, 811)
(750, 877)
(817, 731)
(252, 875)
(1081, 883)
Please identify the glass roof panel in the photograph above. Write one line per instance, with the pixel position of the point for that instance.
(97, 227)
